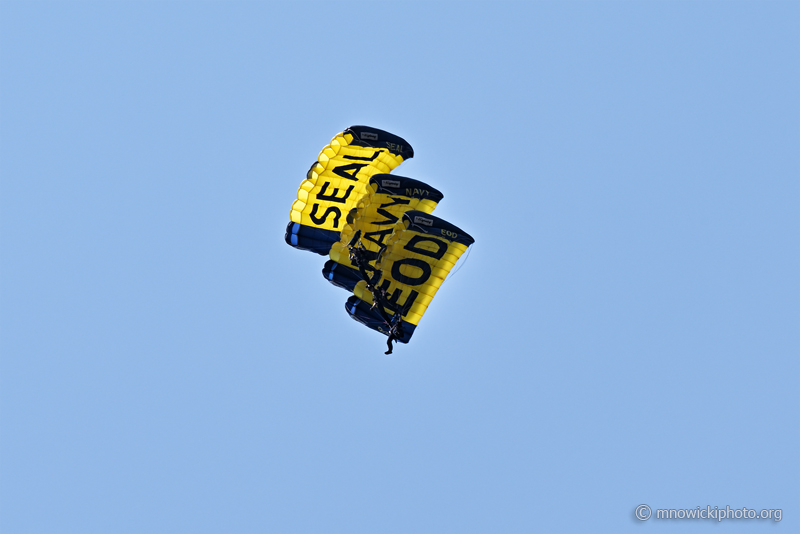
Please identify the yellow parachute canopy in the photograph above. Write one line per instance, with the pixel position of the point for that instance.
(337, 180)
(418, 256)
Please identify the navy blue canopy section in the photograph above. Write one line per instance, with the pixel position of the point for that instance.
(362, 312)
(341, 275)
(311, 239)
(428, 224)
(368, 136)
(392, 184)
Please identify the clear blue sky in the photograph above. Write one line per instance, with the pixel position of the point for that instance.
(626, 329)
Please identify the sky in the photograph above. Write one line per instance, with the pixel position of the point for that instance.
(623, 332)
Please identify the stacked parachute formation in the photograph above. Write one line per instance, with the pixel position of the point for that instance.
(384, 245)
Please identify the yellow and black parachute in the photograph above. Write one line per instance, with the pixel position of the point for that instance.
(416, 260)
(386, 199)
(384, 244)
(337, 180)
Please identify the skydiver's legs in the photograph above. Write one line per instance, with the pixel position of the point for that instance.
(389, 343)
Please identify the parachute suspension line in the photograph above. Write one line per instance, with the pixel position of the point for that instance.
(460, 265)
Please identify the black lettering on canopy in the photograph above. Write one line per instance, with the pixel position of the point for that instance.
(321, 220)
(332, 197)
(395, 202)
(361, 158)
(393, 299)
(411, 246)
(382, 235)
(408, 280)
(342, 170)
(389, 218)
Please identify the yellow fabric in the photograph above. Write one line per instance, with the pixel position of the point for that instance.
(376, 215)
(405, 248)
(337, 180)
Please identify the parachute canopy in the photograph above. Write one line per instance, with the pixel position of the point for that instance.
(337, 180)
(417, 258)
(384, 245)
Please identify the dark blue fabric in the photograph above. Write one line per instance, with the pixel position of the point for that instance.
(311, 239)
(361, 312)
(392, 184)
(429, 224)
(341, 275)
(369, 136)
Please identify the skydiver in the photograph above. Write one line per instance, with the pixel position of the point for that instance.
(358, 258)
(378, 294)
(395, 331)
